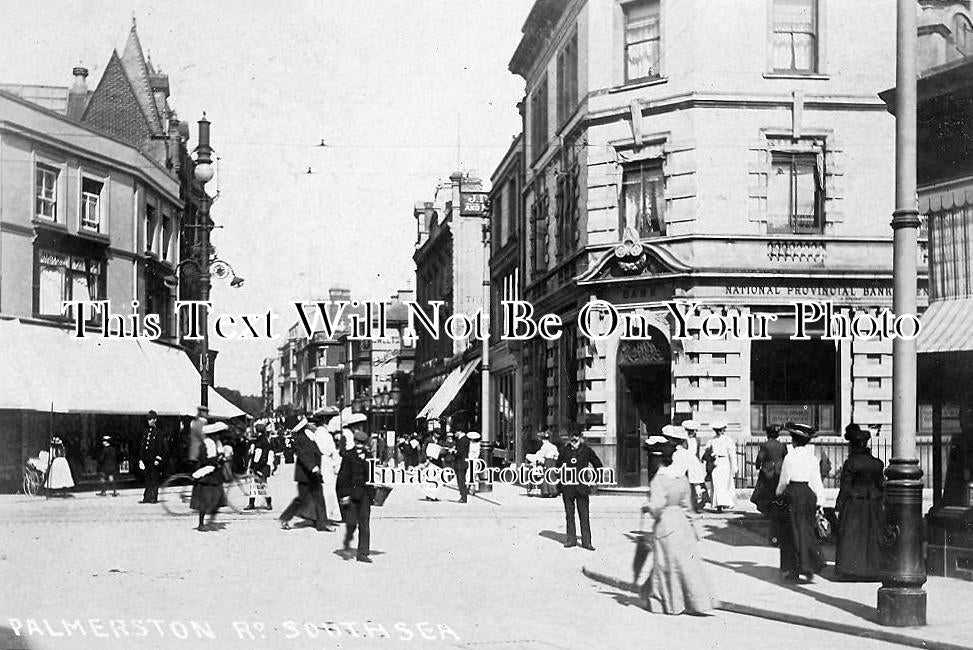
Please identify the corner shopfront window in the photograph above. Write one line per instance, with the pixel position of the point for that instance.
(63, 277)
(794, 381)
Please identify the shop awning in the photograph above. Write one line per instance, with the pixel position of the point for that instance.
(447, 391)
(947, 326)
(46, 368)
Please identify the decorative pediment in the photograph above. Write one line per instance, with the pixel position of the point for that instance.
(633, 259)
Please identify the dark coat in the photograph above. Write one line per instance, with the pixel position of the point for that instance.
(152, 447)
(353, 478)
(578, 459)
(307, 457)
(861, 516)
(208, 495)
(263, 465)
(462, 450)
(108, 460)
(769, 460)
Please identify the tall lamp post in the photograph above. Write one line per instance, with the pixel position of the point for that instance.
(203, 171)
(901, 599)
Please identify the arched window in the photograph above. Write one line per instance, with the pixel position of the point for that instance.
(962, 36)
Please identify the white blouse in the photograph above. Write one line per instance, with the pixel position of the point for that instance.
(801, 465)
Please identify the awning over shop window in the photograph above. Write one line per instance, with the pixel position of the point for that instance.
(447, 391)
(947, 326)
(44, 368)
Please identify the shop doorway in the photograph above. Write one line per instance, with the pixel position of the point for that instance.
(644, 400)
(794, 381)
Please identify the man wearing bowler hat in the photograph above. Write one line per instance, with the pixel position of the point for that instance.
(150, 459)
(576, 455)
(356, 496)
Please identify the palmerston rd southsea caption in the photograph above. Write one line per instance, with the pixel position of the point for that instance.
(596, 320)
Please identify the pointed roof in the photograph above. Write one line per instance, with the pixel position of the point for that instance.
(133, 61)
(114, 105)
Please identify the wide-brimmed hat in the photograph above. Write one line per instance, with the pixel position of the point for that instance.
(473, 435)
(216, 427)
(716, 425)
(805, 431)
(659, 446)
(674, 431)
(691, 425)
(355, 418)
(854, 433)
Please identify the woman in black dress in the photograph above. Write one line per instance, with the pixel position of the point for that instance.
(208, 493)
(768, 462)
(859, 508)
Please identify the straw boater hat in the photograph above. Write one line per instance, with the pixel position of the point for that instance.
(657, 445)
(690, 425)
(473, 435)
(675, 432)
(214, 428)
(717, 425)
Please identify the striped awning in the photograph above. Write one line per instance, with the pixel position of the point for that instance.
(447, 391)
(947, 326)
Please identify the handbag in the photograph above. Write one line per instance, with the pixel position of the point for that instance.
(822, 527)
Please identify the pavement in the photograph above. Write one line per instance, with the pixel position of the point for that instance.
(743, 570)
(102, 572)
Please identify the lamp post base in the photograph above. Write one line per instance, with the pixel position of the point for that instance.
(901, 606)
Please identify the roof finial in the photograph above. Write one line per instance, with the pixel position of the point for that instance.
(133, 19)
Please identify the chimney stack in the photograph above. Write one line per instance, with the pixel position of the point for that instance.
(78, 93)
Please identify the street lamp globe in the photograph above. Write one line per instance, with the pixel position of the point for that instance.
(203, 173)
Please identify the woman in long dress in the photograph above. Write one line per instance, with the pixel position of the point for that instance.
(723, 452)
(800, 485)
(678, 582)
(330, 463)
(208, 493)
(59, 476)
(860, 512)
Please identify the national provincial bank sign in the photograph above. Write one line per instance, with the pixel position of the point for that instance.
(778, 291)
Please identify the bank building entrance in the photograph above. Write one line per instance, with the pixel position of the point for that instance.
(644, 401)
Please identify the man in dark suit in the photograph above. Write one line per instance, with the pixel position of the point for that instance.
(150, 459)
(356, 495)
(576, 455)
(460, 464)
(307, 473)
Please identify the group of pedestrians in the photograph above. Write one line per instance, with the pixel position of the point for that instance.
(790, 493)
(453, 450)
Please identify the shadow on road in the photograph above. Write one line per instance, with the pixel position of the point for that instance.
(772, 575)
(560, 538)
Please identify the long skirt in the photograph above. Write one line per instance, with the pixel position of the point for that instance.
(678, 582)
(800, 552)
(764, 491)
(548, 489)
(724, 492)
(858, 552)
(207, 497)
(59, 476)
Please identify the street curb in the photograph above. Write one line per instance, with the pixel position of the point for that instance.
(793, 619)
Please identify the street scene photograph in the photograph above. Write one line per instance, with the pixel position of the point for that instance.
(533, 324)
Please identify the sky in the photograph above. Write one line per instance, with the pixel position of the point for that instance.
(403, 92)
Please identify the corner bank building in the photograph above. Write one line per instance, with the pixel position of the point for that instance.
(731, 154)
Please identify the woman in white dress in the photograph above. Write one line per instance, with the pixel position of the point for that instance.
(722, 451)
(59, 475)
(801, 487)
(330, 463)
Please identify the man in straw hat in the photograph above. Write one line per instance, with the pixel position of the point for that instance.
(309, 501)
(356, 496)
